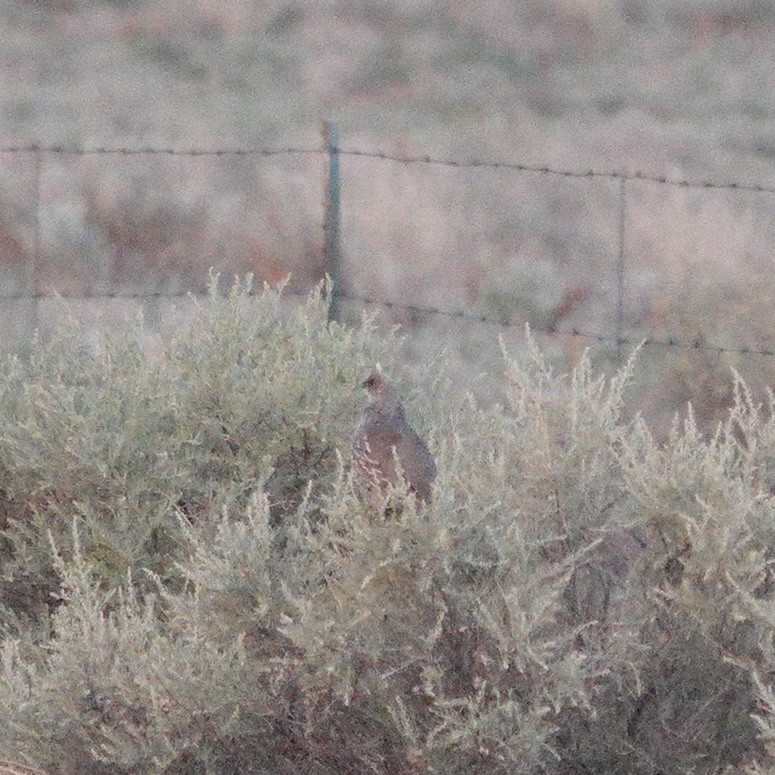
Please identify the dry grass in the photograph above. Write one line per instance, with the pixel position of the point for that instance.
(607, 85)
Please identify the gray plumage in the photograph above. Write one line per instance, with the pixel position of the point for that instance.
(384, 436)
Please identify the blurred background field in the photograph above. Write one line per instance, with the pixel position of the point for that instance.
(678, 89)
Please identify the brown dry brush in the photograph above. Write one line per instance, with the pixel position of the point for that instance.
(191, 584)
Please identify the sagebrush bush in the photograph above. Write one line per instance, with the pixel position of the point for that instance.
(191, 584)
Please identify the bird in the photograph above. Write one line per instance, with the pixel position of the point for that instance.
(384, 443)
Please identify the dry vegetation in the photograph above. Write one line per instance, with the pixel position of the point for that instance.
(679, 89)
(190, 583)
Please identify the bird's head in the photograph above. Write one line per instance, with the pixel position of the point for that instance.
(381, 390)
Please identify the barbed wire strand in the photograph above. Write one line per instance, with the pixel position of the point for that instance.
(646, 341)
(619, 340)
(155, 151)
(419, 311)
(402, 159)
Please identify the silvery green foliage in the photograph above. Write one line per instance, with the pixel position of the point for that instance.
(191, 583)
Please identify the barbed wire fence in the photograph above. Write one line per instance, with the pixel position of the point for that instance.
(332, 231)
